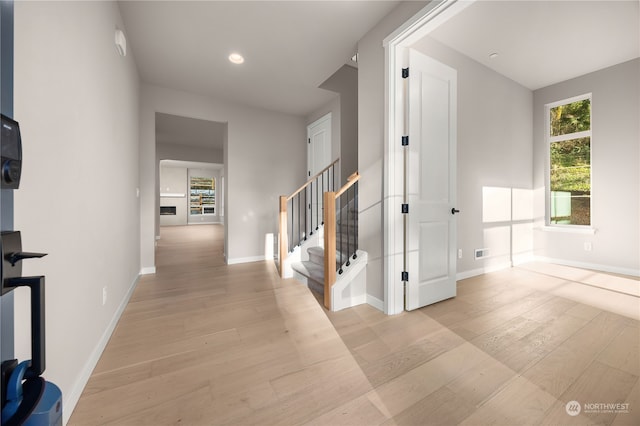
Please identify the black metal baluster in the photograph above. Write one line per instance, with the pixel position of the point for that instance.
(317, 205)
(339, 233)
(311, 209)
(323, 198)
(355, 206)
(298, 235)
(291, 232)
(304, 237)
(348, 230)
(333, 178)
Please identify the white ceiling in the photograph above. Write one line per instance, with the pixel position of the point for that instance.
(540, 43)
(290, 47)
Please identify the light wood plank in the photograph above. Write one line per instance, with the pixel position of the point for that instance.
(205, 343)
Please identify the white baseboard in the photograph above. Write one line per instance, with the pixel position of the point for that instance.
(475, 272)
(375, 302)
(587, 265)
(71, 399)
(531, 258)
(246, 260)
(519, 259)
(148, 270)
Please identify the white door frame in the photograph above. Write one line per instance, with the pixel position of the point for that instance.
(396, 47)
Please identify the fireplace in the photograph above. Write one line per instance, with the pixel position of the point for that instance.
(167, 210)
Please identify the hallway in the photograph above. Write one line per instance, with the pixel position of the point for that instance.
(202, 343)
(205, 343)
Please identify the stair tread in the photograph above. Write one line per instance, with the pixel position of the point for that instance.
(316, 250)
(317, 253)
(310, 270)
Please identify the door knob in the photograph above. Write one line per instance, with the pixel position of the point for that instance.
(454, 210)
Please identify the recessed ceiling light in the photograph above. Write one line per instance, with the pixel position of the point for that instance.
(236, 58)
(493, 55)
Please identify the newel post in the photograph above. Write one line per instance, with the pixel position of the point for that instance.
(282, 234)
(329, 200)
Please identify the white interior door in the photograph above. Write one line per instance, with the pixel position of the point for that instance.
(318, 157)
(319, 145)
(431, 183)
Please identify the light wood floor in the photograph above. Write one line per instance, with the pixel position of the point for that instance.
(202, 343)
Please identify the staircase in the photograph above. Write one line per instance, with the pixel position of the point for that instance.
(350, 286)
(312, 270)
(339, 273)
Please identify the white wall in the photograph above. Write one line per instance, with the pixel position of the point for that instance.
(615, 156)
(174, 151)
(345, 82)
(263, 158)
(77, 103)
(174, 180)
(494, 162)
(371, 130)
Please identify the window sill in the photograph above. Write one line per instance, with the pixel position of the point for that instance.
(569, 229)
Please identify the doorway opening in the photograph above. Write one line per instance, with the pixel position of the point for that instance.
(190, 174)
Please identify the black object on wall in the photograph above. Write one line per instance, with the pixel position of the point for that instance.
(10, 153)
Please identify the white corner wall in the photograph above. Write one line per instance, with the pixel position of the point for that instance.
(615, 159)
(263, 158)
(345, 82)
(371, 131)
(77, 103)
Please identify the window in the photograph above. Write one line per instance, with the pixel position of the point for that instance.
(569, 136)
(202, 195)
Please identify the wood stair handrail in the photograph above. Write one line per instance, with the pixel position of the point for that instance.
(350, 181)
(297, 191)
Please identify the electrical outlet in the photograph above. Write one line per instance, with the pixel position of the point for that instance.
(459, 253)
(588, 246)
(104, 296)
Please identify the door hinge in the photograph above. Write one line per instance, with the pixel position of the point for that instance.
(309, 172)
(309, 140)
(405, 72)
(405, 276)
(405, 140)
(405, 208)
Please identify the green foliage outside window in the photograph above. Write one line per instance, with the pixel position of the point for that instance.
(570, 172)
(571, 118)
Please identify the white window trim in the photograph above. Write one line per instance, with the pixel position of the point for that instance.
(588, 229)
